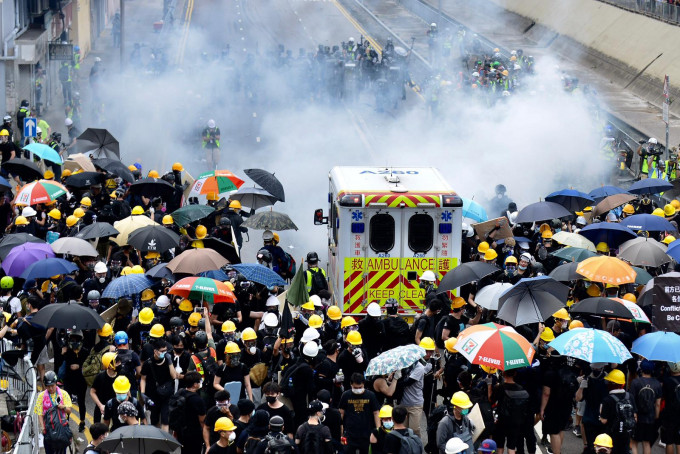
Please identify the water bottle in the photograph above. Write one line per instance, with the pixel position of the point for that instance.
(290, 382)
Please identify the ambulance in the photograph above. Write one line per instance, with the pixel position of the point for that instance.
(386, 226)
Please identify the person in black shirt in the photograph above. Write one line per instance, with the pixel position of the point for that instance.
(316, 411)
(333, 419)
(233, 370)
(158, 381)
(396, 328)
(225, 429)
(102, 387)
(275, 407)
(194, 416)
(35, 334)
(393, 442)
(74, 381)
(379, 435)
(372, 331)
(326, 376)
(121, 386)
(223, 409)
(359, 409)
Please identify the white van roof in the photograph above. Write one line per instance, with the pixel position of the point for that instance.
(408, 180)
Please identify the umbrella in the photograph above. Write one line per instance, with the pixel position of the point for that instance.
(574, 240)
(286, 326)
(190, 213)
(658, 346)
(139, 439)
(159, 271)
(23, 168)
(648, 222)
(571, 199)
(395, 359)
(100, 142)
(642, 276)
(638, 314)
(605, 191)
(68, 316)
(204, 289)
(488, 296)
(218, 181)
(611, 202)
(495, 346)
(464, 274)
(564, 273)
(193, 261)
(4, 184)
(96, 230)
(12, 240)
(44, 152)
(644, 252)
(260, 274)
(541, 211)
(270, 220)
(254, 198)
(152, 187)
(591, 346)
(41, 191)
(608, 270)
(646, 297)
(611, 233)
(268, 181)
(128, 285)
(128, 225)
(574, 254)
(218, 275)
(79, 161)
(297, 294)
(225, 249)
(74, 246)
(673, 250)
(532, 300)
(115, 167)
(154, 238)
(650, 186)
(21, 257)
(605, 307)
(474, 211)
(47, 268)
(84, 179)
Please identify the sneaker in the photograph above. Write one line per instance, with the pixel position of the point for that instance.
(81, 427)
(577, 431)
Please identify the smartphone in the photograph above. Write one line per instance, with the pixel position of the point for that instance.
(198, 309)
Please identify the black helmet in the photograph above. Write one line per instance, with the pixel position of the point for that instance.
(50, 378)
(264, 255)
(24, 103)
(391, 302)
(56, 136)
(201, 324)
(500, 189)
(312, 257)
(176, 322)
(201, 339)
(225, 221)
(276, 422)
(169, 177)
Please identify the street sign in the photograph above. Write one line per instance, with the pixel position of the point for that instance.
(61, 51)
(30, 127)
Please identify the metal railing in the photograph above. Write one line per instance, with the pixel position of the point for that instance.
(657, 9)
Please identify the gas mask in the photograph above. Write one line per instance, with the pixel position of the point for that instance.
(235, 359)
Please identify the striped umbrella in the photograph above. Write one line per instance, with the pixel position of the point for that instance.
(218, 181)
(41, 191)
(204, 289)
(129, 285)
(496, 346)
(638, 314)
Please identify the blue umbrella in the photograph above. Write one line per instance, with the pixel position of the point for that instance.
(4, 184)
(474, 211)
(611, 233)
(127, 286)
(605, 191)
(650, 186)
(532, 300)
(218, 275)
(658, 346)
(260, 274)
(159, 272)
(44, 152)
(591, 346)
(674, 250)
(648, 222)
(47, 268)
(571, 199)
(541, 211)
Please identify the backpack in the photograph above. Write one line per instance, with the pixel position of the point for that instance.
(318, 281)
(177, 411)
(126, 367)
(93, 365)
(673, 405)
(410, 444)
(438, 331)
(250, 445)
(291, 266)
(645, 401)
(206, 366)
(57, 431)
(279, 444)
(436, 415)
(569, 383)
(313, 443)
(514, 408)
(287, 385)
(625, 414)
(414, 327)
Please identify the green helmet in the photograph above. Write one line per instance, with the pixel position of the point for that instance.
(6, 282)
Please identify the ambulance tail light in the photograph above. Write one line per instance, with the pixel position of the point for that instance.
(445, 228)
(351, 200)
(452, 201)
(358, 227)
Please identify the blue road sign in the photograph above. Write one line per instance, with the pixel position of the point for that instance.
(30, 127)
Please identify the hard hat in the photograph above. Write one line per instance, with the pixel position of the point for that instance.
(108, 358)
(505, 72)
(669, 210)
(232, 347)
(212, 196)
(315, 321)
(603, 440)
(311, 349)
(547, 335)
(186, 306)
(6, 282)
(616, 376)
(576, 324)
(308, 306)
(267, 235)
(167, 220)
(628, 209)
(55, 214)
(455, 446)
(121, 338)
(79, 212)
(676, 204)
(427, 276)
(28, 212)
(152, 255)
(132, 168)
(309, 335)
(137, 269)
(511, 259)
(105, 331)
(450, 344)
(658, 212)
(125, 271)
(137, 210)
(224, 423)
(312, 257)
(652, 140)
(50, 378)
(152, 174)
(496, 50)
(277, 239)
(385, 412)
(4, 132)
(426, 342)
(66, 173)
(669, 239)
(483, 247)
(513, 58)
(347, 321)
(334, 313)
(177, 167)
(588, 209)
(354, 338)
(86, 201)
(562, 314)
(48, 175)
(373, 309)
(547, 234)
(248, 334)
(194, 318)
(148, 294)
(630, 297)
(228, 327)
(602, 247)
(93, 295)
(593, 290)
(489, 370)
(146, 316)
(121, 384)
(271, 320)
(21, 220)
(201, 232)
(490, 254)
(157, 331)
(608, 285)
(457, 302)
(235, 204)
(211, 123)
(461, 400)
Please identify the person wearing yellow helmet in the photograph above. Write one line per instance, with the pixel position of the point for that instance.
(619, 424)
(458, 424)
(233, 370)
(562, 320)
(235, 217)
(123, 392)
(602, 248)
(225, 428)
(101, 390)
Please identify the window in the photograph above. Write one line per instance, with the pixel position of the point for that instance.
(420, 232)
(382, 233)
(335, 221)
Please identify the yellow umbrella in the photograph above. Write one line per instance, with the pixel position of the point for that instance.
(128, 225)
(79, 161)
(608, 270)
(574, 240)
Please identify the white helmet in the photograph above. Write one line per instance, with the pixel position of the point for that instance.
(271, 320)
(267, 235)
(373, 310)
(433, 25)
(97, 59)
(272, 301)
(310, 350)
(211, 123)
(581, 220)
(513, 52)
(475, 74)
(100, 267)
(428, 276)
(68, 122)
(27, 212)
(163, 301)
(467, 230)
(506, 93)
(455, 445)
(316, 300)
(38, 131)
(351, 40)
(652, 140)
(309, 335)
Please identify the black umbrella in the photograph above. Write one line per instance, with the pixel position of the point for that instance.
(23, 168)
(268, 181)
(226, 250)
(97, 230)
(68, 316)
(541, 211)
(254, 198)
(153, 238)
(84, 179)
(601, 306)
(532, 300)
(152, 187)
(286, 327)
(100, 142)
(8, 242)
(139, 439)
(566, 272)
(159, 272)
(464, 274)
(115, 167)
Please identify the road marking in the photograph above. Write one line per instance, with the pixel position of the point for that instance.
(76, 419)
(356, 25)
(185, 33)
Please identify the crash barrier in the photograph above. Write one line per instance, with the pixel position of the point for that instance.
(652, 8)
(18, 384)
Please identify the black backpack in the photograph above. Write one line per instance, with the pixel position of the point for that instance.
(625, 414)
(410, 444)
(250, 445)
(209, 365)
(673, 404)
(414, 327)
(313, 443)
(288, 376)
(514, 408)
(279, 444)
(439, 330)
(318, 281)
(569, 383)
(126, 366)
(436, 415)
(177, 411)
(645, 401)
(57, 431)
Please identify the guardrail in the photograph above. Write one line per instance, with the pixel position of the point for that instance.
(653, 8)
(18, 383)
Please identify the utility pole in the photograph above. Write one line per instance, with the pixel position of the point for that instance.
(122, 34)
(666, 105)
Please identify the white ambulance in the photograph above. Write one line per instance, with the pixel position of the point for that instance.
(385, 227)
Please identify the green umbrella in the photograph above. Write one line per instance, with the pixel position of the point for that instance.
(573, 254)
(297, 293)
(642, 275)
(190, 213)
(395, 359)
(270, 220)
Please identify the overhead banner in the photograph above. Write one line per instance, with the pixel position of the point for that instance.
(666, 305)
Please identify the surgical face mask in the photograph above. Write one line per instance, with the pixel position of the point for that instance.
(271, 399)
(252, 350)
(465, 411)
(102, 279)
(232, 437)
(388, 425)
(523, 268)
(121, 418)
(358, 390)
(121, 397)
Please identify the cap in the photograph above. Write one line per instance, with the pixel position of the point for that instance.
(487, 445)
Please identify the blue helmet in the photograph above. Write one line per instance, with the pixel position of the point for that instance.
(76, 48)
(121, 338)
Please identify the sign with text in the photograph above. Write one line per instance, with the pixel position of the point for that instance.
(666, 305)
(61, 51)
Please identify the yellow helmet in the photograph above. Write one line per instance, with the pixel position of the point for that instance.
(385, 412)
(194, 318)
(121, 384)
(593, 290)
(186, 306)
(105, 331)
(308, 306)
(513, 58)
(628, 209)
(4, 132)
(602, 247)
(511, 259)
(576, 324)
(426, 342)
(55, 214)
(547, 335)
(334, 313)
(137, 210)
(658, 212)
(146, 316)
(461, 400)
(211, 196)
(167, 220)
(505, 72)
(483, 247)
(152, 255)
(616, 376)
(157, 331)
(228, 327)
(347, 321)
(450, 344)
(669, 210)
(21, 220)
(354, 338)
(148, 294)
(66, 173)
(490, 254)
(152, 174)
(604, 440)
(562, 314)
(222, 423)
(86, 201)
(132, 168)
(547, 234)
(137, 269)
(108, 358)
(676, 204)
(630, 297)
(669, 239)
(277, 238)
(126, 269)
(235, 204)
(48, 175)
(232, 347)
(79, 212)
(229, 285)
(588, 209)
(201, 232)
(248, 334)
(315, 321)
(177, 167)
(489, 370)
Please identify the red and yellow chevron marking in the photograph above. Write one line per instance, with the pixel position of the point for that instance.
(395, 200)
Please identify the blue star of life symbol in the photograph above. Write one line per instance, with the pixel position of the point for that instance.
(446, 216)
(357, 215)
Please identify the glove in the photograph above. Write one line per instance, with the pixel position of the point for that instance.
(179, 370)
(339, 378)
(397, 374)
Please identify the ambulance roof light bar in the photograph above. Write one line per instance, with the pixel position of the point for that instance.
(351, 200)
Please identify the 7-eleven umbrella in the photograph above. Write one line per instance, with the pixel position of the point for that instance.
(608, 270)
(219, 182)
(496, 346)
(204, 289)
(41, 191)
(638, 314)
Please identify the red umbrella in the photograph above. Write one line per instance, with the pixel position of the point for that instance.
(203, 288)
